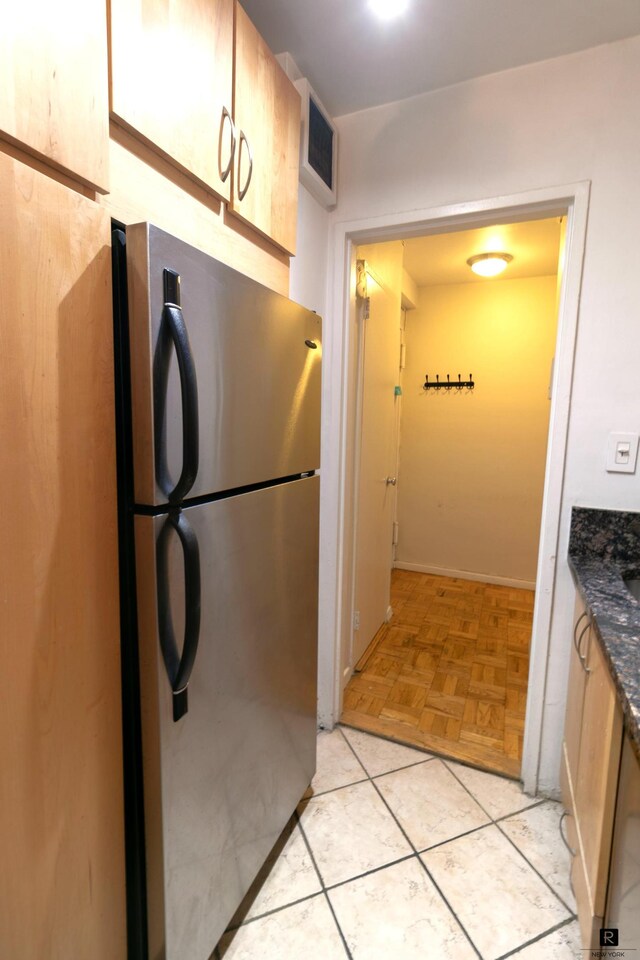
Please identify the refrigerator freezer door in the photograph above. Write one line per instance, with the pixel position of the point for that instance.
(221, 781)
(257, 364)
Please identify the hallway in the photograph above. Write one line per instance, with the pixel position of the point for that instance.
(449, 672)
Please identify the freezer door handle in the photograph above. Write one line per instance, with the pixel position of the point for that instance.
(178, 666)
(173, 331)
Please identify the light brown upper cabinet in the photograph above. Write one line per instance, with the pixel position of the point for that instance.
(267, 119)
(172, 82)
(54, 83)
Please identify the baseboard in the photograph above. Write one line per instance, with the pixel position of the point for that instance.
(389, 614)
(466, 575)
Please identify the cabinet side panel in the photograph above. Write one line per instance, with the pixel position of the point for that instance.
(60, 705)
(600, 746)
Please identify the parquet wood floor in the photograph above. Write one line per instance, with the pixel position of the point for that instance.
(449, 671)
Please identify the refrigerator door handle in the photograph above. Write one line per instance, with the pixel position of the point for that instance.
(178, 665)
(173, 330)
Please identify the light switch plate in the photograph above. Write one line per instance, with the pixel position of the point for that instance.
(622, 452)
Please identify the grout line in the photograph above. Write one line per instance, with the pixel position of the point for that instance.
(413, 847)
(323, 885)
(416, 763)
(541, 936)
(535, 869)
(452, 911)
(342, 936)
(534, 803)
(421, 862)
(268, 913)
(368, 873)
(492, 822)
(342, 786)
(458, 836)
(309, 850)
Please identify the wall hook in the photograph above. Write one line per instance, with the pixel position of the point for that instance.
(449, 385)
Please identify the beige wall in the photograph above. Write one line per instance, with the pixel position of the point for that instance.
(472, 463)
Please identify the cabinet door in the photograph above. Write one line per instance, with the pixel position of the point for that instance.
(575, 703)
(267, 118)
(595, 791)
(61, 832)
(171, 81)
(623, 901)
(54, 82)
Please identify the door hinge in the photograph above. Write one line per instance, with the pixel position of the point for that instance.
(356, 619)
(394, 540)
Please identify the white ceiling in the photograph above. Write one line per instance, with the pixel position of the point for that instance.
(534, 245)
(355, 61)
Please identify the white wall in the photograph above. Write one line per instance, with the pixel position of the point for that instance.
(308, 286)
(565, 120)
(472, 463)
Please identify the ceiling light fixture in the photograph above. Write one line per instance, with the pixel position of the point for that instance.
(388, 9)
(489, 264)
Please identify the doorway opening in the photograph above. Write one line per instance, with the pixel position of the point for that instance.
(548, 204)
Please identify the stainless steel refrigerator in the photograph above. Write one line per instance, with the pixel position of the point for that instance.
(218, 383)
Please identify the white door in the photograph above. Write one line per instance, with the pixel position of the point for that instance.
(376, 490)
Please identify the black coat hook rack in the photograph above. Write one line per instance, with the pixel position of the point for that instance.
(458, 384)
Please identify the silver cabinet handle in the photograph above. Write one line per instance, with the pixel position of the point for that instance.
(391, 481)
(227, 170)
(243, 190)
(583, 659)
(563, 834)
(575, 630)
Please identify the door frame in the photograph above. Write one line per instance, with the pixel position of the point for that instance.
(340, 453)
(362, 318)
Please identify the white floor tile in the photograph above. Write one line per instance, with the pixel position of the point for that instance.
(497, 795)
(351, 831)
(306, 929)
(536, 833)
(336, 764)
(379, 756)
(292, 877)
(499, 899)
(397, 914)
(430, 804)
(564, 944)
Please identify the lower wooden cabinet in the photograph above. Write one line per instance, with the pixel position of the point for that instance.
(62, 883)
(589, 776)
(623, 898)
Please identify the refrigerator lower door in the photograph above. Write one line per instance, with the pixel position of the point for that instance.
(222, 780)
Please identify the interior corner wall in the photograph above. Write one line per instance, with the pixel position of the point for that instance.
(308, 271)
(472, 463)
(308, 286)
(565, 120)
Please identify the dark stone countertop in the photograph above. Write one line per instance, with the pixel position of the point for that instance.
(604, 547)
